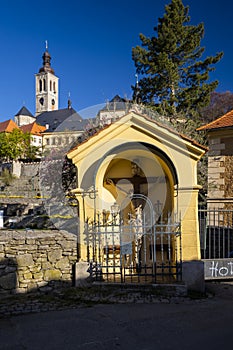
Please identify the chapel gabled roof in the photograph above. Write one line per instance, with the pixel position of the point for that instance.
(226, 121)
(8, 126)
(146, 118)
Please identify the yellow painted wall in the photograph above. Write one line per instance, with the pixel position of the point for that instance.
(104, 156)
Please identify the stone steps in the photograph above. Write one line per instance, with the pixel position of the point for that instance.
(23, 187)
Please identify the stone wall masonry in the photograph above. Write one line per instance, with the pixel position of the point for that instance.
(228, 141)
(216, 169)
(30, 169)
(228, 176)
(36, 260)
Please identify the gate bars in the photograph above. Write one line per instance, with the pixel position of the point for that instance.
(141, 251)
(216, 233)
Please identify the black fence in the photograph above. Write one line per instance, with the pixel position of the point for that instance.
(134, 253)
(216, 233)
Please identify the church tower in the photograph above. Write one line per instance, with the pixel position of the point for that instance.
(46, 86)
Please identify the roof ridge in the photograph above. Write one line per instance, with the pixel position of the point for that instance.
(146, 117)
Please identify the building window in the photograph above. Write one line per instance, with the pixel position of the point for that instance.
(54, 87)
(47, 142)
(50, 85)
(59, 140)
(44, 84)
(40, 85)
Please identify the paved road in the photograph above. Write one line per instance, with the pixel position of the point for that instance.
(206, 324)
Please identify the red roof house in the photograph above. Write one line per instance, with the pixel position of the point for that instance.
(8, 126)
(220, 162)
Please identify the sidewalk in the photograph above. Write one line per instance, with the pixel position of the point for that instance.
(183, 323)
(72, 298)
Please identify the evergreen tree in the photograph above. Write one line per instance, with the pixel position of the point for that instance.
(173, 78)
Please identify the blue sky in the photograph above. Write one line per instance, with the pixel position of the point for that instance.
(90, 43)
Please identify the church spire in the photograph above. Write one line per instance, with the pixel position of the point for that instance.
(47, 87)
(46, 61)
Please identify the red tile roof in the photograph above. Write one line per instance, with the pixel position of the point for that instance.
(33, 128)
(225, 121)
(8, 126)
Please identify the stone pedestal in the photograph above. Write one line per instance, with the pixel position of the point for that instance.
(193, 275)
(82, 274)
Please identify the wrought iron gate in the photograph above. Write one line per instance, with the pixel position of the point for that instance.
(145, 250)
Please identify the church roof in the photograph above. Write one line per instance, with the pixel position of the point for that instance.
(24, 111)
(33, 128)
(8, 126)
(117, 98)
(66, 119)
(226, 121)
(116, 103)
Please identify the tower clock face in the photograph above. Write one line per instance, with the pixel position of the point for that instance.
(41, 100)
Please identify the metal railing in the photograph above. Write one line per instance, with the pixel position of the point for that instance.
(216, 233)
(134, 253)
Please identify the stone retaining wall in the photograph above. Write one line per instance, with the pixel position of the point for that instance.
(36, 260)
(30, 169)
